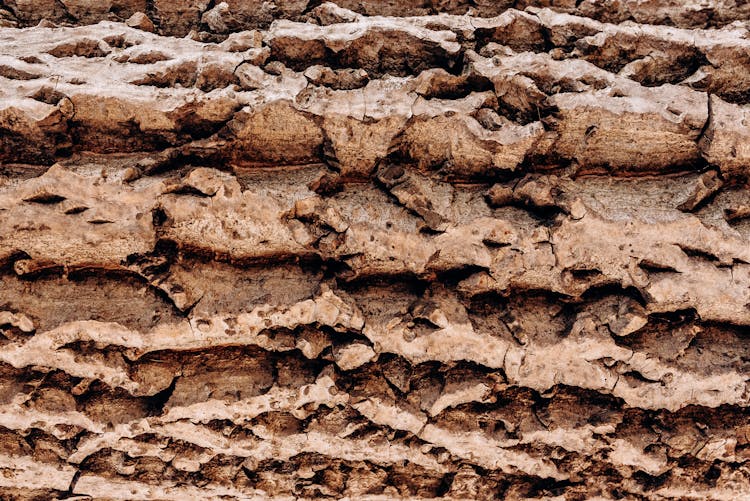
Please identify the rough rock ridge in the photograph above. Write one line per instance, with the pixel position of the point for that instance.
(374, 249)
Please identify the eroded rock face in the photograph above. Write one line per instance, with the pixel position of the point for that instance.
(374, 250)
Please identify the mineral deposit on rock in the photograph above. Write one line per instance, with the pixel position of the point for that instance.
(374, 250)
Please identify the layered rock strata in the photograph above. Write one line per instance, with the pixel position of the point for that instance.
(374, 250)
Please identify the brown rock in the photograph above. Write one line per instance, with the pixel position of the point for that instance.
(140, 21)
(374, 249)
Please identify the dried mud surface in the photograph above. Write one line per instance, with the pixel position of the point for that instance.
(374, 250)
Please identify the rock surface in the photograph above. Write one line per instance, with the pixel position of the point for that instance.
(374, 249)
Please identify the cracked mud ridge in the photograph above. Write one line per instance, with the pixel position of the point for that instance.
(374, 249)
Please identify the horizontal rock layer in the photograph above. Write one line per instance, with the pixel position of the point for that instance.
(374, 250)
(172, 17)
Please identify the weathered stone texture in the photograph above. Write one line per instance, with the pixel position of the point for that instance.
(374, 249)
